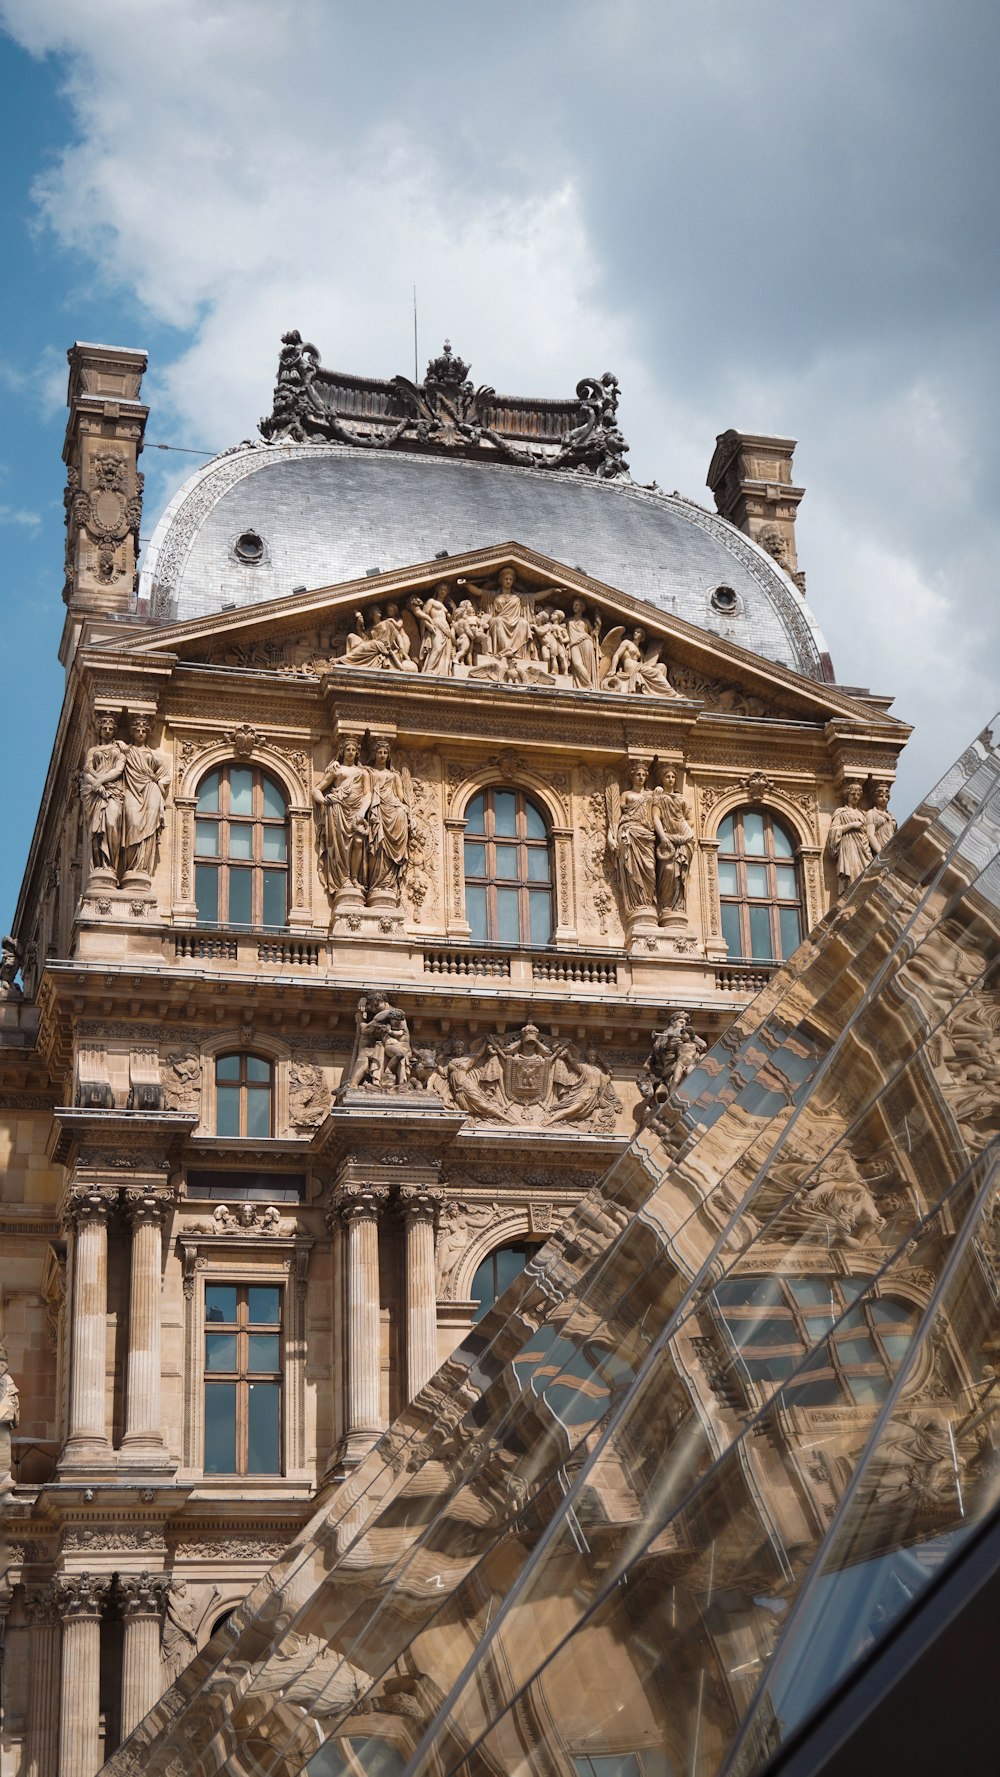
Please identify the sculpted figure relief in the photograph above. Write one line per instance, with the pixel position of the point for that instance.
(145, 783)
(101, 793)
(651, 841)
(676, 1052)
(380, 641)
(847, 840)
(364, 821)
(880, 825)
(10, 962)
(9, 1406)
(381, 1058)
(525, 1080)
(342, 797)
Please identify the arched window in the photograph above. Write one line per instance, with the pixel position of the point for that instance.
(497, 1270)
(241, 848)
(244, 1095)
(508, 869)
(773, 1321)
(758, 886)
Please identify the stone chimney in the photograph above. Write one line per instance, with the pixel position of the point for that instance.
(103, 495)
(751, 479)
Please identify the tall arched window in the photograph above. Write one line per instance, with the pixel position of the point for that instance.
(498, 1269)
(508, 869)
(244, 1095)
(773, 1322)
(241, 848)
(759, 886)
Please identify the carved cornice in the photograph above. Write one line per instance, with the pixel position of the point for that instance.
(118, 1140)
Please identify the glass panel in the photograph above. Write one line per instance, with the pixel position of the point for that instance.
(274, 801)
(760, 932)
(505, 813)
(275, 843)
(506, 862)
(475, 859)
(240, 790)
(790, 926)
(510, 1262)
(749, 1292)
(263, 1353)
(206, 893)
(484, 1287)
(475, 913)
(258, 1069)
(534, 822)
(208, 794)
(538, 864)
(540, 915)
(263, 1454)
(508, 922)
(757, 880)
(788, 888)
(264, 1304)
(890, 1311)
(220, 1351)
(240, 839)
(727, 834)
(783, 847)
(475, 816)
(856, 1351)
(227, 1115)
(220, 1302)
(812, 1289)
(868, 1390)
(206, 838)
(765, 1331)
(258, 1112)
(220, 1428)
(731, 928)
(728, 884)
(275, 893)
(227, 1067)
(753, 833)
(240, 897)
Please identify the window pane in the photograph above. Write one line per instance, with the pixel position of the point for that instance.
(505, 813)
(783, 847)
(208, 794)
(220, 1301)
(240, 891)
(263, 1456)
(753, 833)
(727, 834)
(220, 1351)
(818, 1325)
(508, 923)
(475, 859)
(206, 838)
(897, 1345)
(727, 878)
(760, 932)
(788, 889)
(241, 840)
(227, 1067)
(810, 1289)
(475, 912)
(206, 893)
(240, 790)
(538, 864)
(274, 801)
(731, 928)
(275, 892)
(275, 843)
(540, 914)
(258, 1069)
(757, 879)
(790, 925)
(264, 1304)
(227, 1119)
(484, 1287)
(870, 1391)
(510, 1261)
(258, 1111)
(817, 1392)
(263, 1351)
(856, 1351)
(749, 1292)
(475, 816)
(890, 1311)
(773, 1369)
(535, 825)
(506, 862)
(220, 1428)
(767, 1330)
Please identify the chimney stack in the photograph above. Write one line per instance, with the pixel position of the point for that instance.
(751, 479)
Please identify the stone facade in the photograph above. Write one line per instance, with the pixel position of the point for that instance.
(491, 796)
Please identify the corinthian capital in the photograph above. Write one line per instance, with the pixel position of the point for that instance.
(142, 1594)
(357, 1202)
(41, 1605)
(81, 1594)
(85, 1204)
(418, 1204)
(146, 1206)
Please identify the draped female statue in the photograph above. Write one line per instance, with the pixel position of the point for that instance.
(101, 794)
(847, 840)
(342, 797)
(634, 830)
(390, 820)
(145, 781)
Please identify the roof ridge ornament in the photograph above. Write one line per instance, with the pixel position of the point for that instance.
(446, 414)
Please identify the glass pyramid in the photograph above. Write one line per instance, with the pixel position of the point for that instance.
(723, 1430)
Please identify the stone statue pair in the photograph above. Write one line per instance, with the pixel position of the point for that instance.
(124, 787)
(857, 834)
(364, 820)
(650, 841)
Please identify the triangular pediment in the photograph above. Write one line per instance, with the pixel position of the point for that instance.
(504, 617)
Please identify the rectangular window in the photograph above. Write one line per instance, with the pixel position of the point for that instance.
(243, 1370)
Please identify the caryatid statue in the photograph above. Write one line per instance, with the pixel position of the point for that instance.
(880, 825)
(651, 841)
(390, 825)
(847, 841)
(342, 797)
(9, 1404)
(145, 782)
(101, 793)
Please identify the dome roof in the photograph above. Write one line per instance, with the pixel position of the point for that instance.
(262, 521)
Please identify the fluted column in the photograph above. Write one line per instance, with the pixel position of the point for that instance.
(141, 1600)
(88, 1212)
(43, 1695)
(81, 1600)
(360, 1207)
(420, 1209)
(145, 1211)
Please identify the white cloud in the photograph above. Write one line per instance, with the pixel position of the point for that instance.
(19, 515)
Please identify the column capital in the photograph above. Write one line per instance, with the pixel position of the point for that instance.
(81, 1594)
(145, 1204)
(142, 1594)
(419, 1204)
(85, 1203)
(356, 1201)
(41, 1605)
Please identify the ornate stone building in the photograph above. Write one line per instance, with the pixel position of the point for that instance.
(416, 819)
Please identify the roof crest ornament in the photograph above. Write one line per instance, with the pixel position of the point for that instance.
(446, 414)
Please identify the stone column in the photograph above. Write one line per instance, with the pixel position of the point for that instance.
(419, 1209)
(360, 1206)
(141, 1599)
(88, 1438)
(145, 1211)
(81, 1599)
(43, 1696)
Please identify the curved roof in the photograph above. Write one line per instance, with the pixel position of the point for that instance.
(326, 514)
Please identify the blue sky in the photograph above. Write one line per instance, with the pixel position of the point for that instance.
(782, 218)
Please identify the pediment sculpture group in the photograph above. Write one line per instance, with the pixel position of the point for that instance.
(501, 633)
